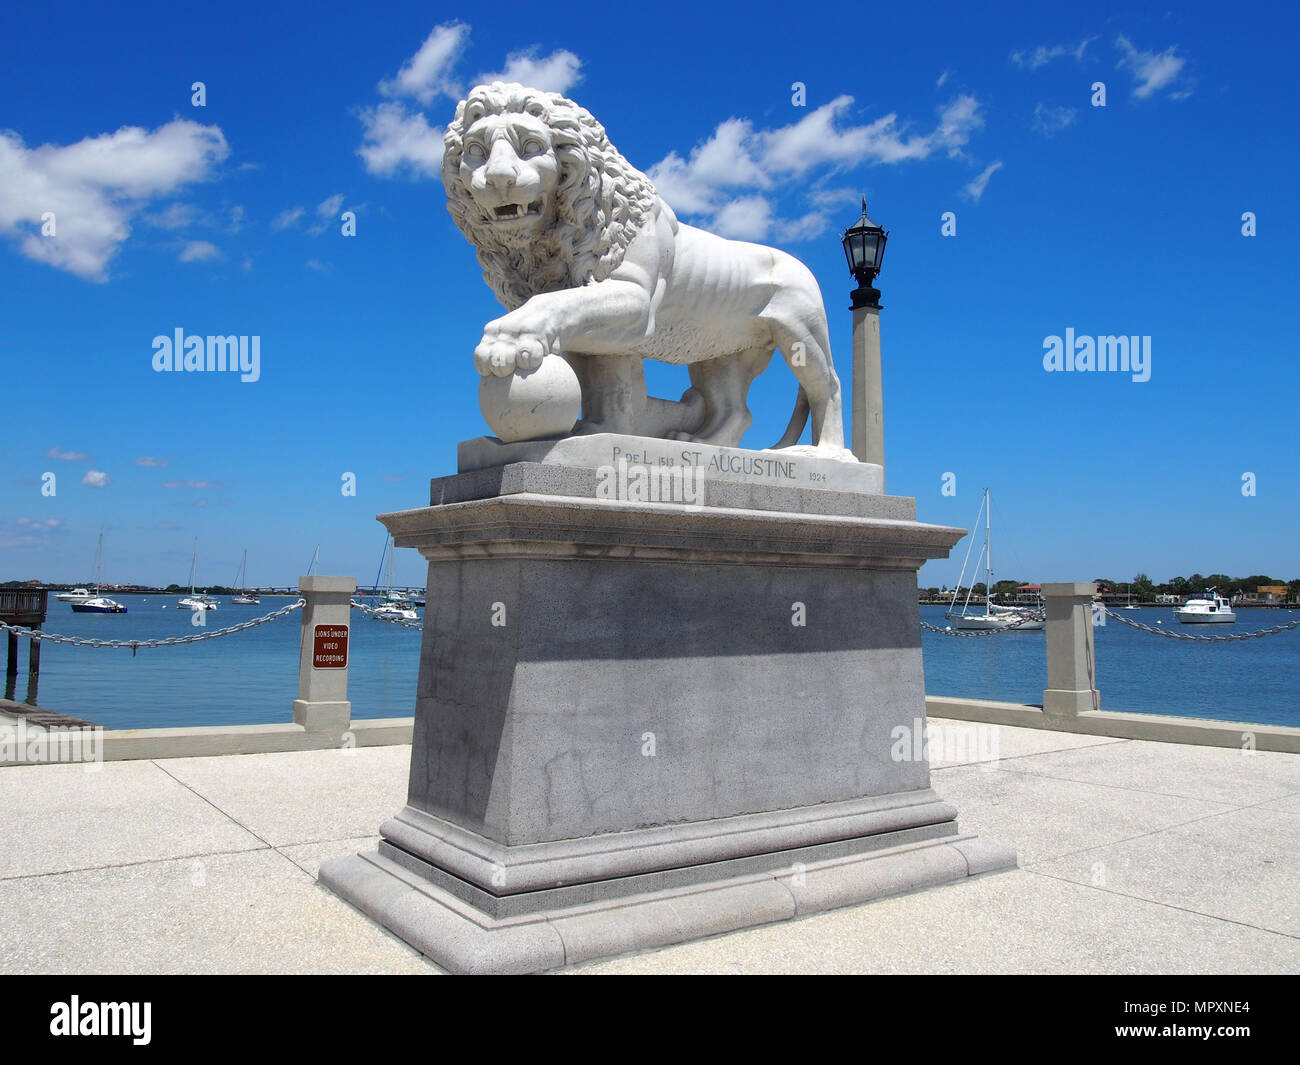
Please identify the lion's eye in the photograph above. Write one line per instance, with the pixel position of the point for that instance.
(533, 147)
(475, 150)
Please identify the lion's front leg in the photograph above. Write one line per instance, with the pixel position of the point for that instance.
(609, 317)
(519, 340)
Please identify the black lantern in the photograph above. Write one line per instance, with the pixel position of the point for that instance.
(864, 248)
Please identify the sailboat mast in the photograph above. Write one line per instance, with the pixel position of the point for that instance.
(99, 561)
(988, 552)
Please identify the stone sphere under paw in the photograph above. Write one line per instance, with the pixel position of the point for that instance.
(532, 404)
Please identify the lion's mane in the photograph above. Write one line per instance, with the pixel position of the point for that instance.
(602, 200)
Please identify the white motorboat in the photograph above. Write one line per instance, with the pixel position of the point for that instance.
(1212, 610)
(194, 601)
(97, 604)
(77, 595)
(999, 618)
(396, 612)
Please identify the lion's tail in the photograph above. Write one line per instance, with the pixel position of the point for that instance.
(798, 419)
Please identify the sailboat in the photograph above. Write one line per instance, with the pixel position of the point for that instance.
(196, 602)
(244, 597)
(98, 604)
(1005, 617)
(396, 606)
(1129, 604)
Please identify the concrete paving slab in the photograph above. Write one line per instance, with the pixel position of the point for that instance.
(959, 743)
(309, 856)
(303, 796)
(1290, 804)
(1010, 807)
(1015, 922)
(1214, 774)
(1241, 865)
(235, 913)
(63, 817)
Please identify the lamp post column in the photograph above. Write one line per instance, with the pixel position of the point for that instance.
(868, 390)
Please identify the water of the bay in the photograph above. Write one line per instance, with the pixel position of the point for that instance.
(251, 677)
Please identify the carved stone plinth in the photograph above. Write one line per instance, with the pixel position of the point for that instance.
(643, 722)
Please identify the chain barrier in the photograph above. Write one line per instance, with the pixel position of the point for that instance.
(373, 612)
(1027, 615)
(1232, 637)
(135, 645)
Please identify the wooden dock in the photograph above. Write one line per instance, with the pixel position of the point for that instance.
(26, 607)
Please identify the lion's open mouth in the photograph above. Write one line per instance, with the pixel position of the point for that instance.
(517, 210)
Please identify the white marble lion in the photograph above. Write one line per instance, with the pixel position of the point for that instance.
(591, 264)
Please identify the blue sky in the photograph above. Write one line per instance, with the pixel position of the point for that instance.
(226, 219)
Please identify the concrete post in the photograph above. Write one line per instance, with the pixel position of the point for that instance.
(322, 704)
(868, 390)
(1071, 662)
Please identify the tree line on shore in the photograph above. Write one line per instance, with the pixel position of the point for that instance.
(1144, 589)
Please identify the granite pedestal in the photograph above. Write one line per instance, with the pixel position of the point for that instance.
(643, 720)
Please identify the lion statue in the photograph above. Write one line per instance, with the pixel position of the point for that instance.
(592, 265)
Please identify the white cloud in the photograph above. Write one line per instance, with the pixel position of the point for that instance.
(747, 218)
(711, 182)
(1042, 55)
(236, 218)
(66, 456)
(95, 186)
(176, 216)
(149, 460)
(1150, 70)
(326, 211)
(557, 72)
(397, 140)
(1051, 120)
(809, 227)
(95, 478)
(975, 188)
(317, 265)
(942, 79)
(287, 218)
(197, 251)
(427, 74)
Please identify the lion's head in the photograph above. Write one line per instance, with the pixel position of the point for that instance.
(534, 184)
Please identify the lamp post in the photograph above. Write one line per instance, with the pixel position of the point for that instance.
(864, 248)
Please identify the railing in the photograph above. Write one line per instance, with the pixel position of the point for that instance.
(27, 601)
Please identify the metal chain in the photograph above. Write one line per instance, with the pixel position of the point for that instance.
(371, 611)
(134, 645)
(1228, 638)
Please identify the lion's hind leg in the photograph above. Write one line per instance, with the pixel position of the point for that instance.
(724, 383)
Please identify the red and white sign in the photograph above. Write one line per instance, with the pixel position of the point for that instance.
(330, 647)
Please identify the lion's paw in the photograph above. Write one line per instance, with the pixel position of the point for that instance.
(501, 355)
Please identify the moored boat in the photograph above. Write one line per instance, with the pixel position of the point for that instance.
(98, 605)
(994, 618)
(1213, 609)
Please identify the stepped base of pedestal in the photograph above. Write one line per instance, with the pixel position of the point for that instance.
(399, 891)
